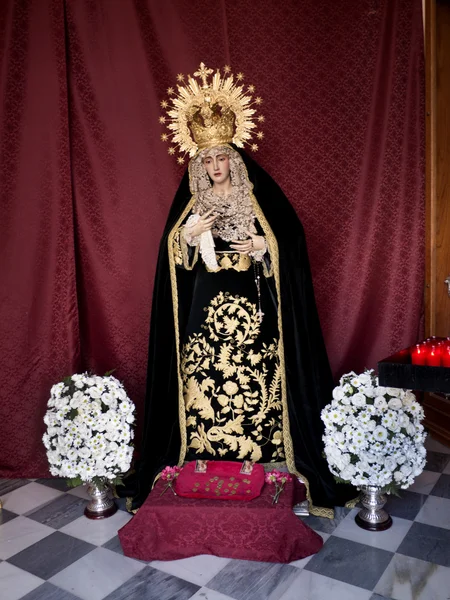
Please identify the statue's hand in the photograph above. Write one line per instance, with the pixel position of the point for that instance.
(252, 244)
(204, 223)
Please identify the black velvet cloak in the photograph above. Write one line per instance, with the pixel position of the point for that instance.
(309, 382)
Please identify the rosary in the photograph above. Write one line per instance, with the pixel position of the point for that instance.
(258, 289)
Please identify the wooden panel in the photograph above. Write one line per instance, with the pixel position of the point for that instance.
(437, 417)
(437, 301)
(430, 176)
(442, 166)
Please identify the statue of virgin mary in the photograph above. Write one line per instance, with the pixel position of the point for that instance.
(237, 368)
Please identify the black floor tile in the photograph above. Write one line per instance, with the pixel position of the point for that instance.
(436, 461)
(9, 485)
(350, 562)
(59, 512)
(51, 555)
(55, 483)
(407, 506)
(47, 591)
(248, 580)
(6, 515)
(442, 487)
(428, 543)
(151, 584)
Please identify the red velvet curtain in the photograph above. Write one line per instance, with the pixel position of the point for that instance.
(86, 183)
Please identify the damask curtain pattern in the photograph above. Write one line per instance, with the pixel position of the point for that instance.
(86, 183)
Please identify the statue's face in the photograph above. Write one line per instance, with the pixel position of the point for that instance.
(217, 167)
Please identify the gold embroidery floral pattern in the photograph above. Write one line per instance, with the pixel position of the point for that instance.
(232, 385)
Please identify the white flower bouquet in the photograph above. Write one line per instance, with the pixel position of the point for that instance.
(373, 434)
(89, 429)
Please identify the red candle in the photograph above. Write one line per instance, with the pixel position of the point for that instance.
(418, 354)
(445, 356)
(434, 356)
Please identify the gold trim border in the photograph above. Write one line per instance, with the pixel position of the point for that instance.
(173, 285)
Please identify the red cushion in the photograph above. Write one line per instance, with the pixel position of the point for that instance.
(222, 481)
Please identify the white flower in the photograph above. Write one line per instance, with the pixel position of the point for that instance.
(61, 402)
(72, 454)
(125, 407)
(347, 376)
(78, 377)
(408, 398)
(393, 391)
(395, 403)
(380, 433)
(365, 378)
(348, 472)
(74, 402)
(334, 452)
(368, 391)
(337, 416)
(84, 453)
(338, 393)
(107, 398)
(410, 429)
(390, 463)
(79, 384)
(56, 390)
(380, 402)
(358, 399)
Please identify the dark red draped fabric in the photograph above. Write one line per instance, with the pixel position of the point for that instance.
(86, 184)
(169, 527)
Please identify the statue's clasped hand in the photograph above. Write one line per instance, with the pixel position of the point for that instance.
(204, 224)
(252, 244)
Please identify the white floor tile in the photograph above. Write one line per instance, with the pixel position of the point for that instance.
(205, 594)
(424, 483)
(97, 532)
(196, 569)
(97, 574)
(18, 534)
(28, 497)
(435, 446)
(435, 511)
(15, 583)
(385, 540)
(312, 586)
(299, 564)
(409, 578)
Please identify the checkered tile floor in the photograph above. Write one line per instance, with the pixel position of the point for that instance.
(50, 551)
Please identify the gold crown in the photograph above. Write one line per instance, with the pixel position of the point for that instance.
(210, 114)
(212, 125)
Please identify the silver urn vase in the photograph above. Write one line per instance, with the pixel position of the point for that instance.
(102, 503)
(372, 516)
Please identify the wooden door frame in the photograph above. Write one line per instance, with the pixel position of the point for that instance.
(430, 167)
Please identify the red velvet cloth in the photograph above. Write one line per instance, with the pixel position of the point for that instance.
(222, 480)
(168, 527)
(86, 183)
